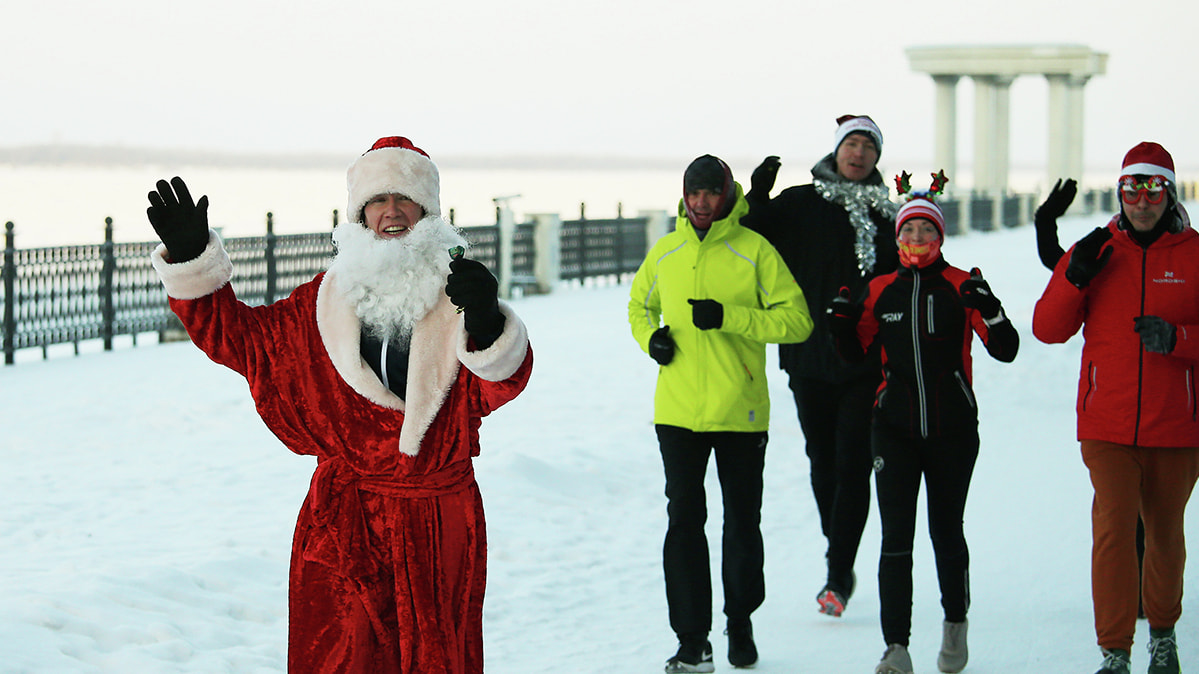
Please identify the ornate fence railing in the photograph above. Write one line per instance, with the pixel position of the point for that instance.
(72, 294)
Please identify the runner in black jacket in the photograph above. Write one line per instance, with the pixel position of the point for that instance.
(834, 232)
(925, 421)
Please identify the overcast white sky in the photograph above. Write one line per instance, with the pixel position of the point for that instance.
(642, 78)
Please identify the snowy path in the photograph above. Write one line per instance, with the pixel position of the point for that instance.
(146, 514)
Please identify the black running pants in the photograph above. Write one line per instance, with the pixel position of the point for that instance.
(740, 458)
(946, 465)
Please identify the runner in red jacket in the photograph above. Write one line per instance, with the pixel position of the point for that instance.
(1133, 288)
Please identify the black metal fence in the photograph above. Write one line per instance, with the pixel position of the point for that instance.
(72, 294)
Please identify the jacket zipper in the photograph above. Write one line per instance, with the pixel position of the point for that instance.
(916, 352)
(1136, 428)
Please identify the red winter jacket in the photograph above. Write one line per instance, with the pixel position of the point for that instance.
(1127, 395)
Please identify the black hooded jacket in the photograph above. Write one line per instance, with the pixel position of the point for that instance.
(818, 242)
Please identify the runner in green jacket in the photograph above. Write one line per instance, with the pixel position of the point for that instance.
(704, 303)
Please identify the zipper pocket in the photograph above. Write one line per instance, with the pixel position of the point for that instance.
(1191, 391)
(1091, 386)
(965, 388)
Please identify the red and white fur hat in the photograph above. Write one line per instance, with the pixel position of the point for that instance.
(393, 165)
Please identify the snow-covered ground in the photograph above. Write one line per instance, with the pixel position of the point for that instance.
(146, 513)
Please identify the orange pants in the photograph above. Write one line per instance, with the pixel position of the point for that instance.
(1155, 482)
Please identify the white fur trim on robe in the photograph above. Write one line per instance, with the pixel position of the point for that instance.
(438, 346)
(500, 360)
(439, 341)
(196, 278)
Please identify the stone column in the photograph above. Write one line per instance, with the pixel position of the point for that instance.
(1003, 136)
(547, 246)
(992, 95)
(1074, 158)
(945, 135)
(657, 226)
(984, 132)
(506, 223)
(1065, 126)
(1059, 124)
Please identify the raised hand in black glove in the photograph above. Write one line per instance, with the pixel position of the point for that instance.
(843, 315)
(1157, 334)
(474, 290)
(976, 294)
(761, 181)
(1087, 261)
(1058, 201)
(661, 346)
(706, 314)
(1045, 220)
(180, 224)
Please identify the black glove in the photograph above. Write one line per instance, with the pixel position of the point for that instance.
(843, 315)
(976, 294)
(762, 179)
(180, 224)
(1086, 261)
(1157, 334)
(661, 346)
(706, 314)
(472, 288)
(1045, 220)
(1058, 201)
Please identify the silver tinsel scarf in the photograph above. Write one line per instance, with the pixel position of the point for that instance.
(857, 199)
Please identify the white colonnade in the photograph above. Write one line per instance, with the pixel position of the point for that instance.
(992, 69)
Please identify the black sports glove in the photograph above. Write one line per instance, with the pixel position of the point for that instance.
(1045, 220)
(1157, 334)
(976, 294)
(180, 224)
(843, 315)
(1058, 201)
(763, 177)
(661, 346)
(706, 314)
(472, 288)
(1087, 261)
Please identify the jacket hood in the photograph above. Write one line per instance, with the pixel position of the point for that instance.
(1176, 232)
(1179, 219)
(720, 228)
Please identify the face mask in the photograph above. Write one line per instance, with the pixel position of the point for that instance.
(919, 255)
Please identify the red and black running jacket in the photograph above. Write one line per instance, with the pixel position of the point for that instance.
(925, 332)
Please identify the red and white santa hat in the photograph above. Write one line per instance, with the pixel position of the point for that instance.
(1149, 159)
(393, 165)
(847, 124)
(920, 207)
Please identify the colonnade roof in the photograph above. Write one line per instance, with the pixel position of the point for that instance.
(1008, 60)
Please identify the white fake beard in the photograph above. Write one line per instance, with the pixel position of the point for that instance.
(393, 283)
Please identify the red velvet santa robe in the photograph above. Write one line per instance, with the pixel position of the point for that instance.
(388, 563)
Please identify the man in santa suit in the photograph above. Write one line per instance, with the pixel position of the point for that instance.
(382, 368)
